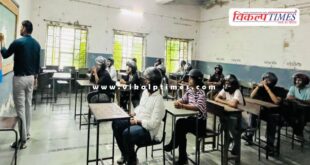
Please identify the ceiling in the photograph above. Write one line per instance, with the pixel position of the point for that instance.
(182, 2)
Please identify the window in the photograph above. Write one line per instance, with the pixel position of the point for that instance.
(66, 46)
(127, 46)
(176, 51)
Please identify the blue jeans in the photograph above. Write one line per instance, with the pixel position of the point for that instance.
(138, 136)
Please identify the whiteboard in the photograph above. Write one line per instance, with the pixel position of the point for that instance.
(8, 28)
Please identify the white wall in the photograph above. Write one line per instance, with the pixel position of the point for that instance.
(255, 46)
(25, 8)
(158, 21)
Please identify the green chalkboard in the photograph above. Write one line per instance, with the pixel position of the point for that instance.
(8, 21)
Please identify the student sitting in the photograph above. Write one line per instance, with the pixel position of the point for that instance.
(300, 92)
(164, 82)
(101, 77)
(132, 79)
(193, 100)
(232, 97)
(188, 67)
(146, 121)
(181, 70)
(216, 80)
(111, 69)
(268, 92)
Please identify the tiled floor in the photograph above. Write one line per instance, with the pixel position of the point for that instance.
(57, 140)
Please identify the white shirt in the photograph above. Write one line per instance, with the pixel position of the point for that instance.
(112, 72)
(235, 96)
(151, 111)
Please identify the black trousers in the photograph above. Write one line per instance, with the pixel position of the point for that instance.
(184, 126)
(124, 98)
(126, 144)
(272, 118)
(296, 116)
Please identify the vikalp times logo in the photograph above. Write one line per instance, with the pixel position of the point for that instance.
(264, 17)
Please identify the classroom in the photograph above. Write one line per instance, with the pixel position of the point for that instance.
(154, 82)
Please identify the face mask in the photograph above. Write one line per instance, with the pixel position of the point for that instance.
(229, 89)
(151, 88)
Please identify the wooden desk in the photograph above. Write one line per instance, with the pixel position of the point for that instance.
(223, 112)
(65, 77)
(182, 113)
(82, 84)
(7, 124)
(254, 106)
(104, 112)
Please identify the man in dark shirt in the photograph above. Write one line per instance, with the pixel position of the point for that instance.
(268, 92)
(216, 81)
(26, 52)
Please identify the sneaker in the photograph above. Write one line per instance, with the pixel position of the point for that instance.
(248, 139)
(19, 144)
(14, 144)
(121, 160)
(135, 162)
(270, 150)
(182, 161)
(169, 147)
(28, 136)
(234, 151)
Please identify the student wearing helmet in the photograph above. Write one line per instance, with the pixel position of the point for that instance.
(158, 62)
(193, 100)
(231, 96)
(111, 69)
(146, 120)
(216, 80)
(300, 92)
(267, 91)
(131, 79)
(164, 82)
(100, 76)
(181, 70)
(188, 67)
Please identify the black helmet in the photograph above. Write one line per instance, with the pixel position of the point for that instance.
(162, 69)
(303, 77)
(271, 77)
(111, 61)
(189, 67)
(196, 74)
(158, 60)
(231, 83)
(183, 62)
(154, 76)
(219, 67)
(132, 65)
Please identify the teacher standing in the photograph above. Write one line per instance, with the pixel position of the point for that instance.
(26, 52)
